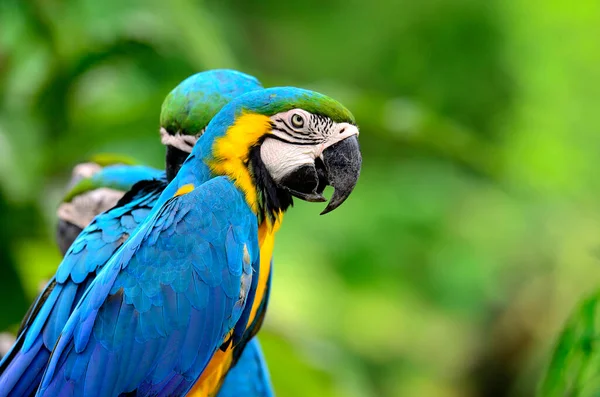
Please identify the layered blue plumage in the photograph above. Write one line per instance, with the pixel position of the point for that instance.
(97, 242)
(87, 255)
(157, 312)
(21, 370)
(23, 366)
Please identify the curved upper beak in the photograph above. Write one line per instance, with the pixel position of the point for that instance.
(338, 166)
(342, 162)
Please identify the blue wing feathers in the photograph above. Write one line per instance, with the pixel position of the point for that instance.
(195, 332)
(139, 215)
(234, 248)
(192, 290)
(32, 334)
(127, 222)
(209, 274)
(21, 364)
(59, 315)
(87, 254)
(230, 285)
(197, 292)
(240, 328)
(169, 356)
(143, 325)
(83, 331)
(93, 377)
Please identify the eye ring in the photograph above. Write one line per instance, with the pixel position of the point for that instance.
(297, 120)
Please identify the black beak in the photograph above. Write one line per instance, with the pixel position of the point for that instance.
(339, 167)
(342, 163)
(303, 183)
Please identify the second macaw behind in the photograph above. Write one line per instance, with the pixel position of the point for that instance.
(185, 113)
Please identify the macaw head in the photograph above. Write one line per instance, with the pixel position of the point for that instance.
(96, 186)
(280, 143)
(187, 110)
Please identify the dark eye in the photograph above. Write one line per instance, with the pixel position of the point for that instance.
(297, 121)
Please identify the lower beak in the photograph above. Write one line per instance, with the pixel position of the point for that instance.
(303, 182)
(342, 163)
(339, 166)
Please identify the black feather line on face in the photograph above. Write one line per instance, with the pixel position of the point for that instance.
(174, 160)
(303, 141)
(271, 198)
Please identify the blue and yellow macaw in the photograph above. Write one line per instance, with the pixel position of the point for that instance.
(97, 186)
(185, 113)
(184, 290)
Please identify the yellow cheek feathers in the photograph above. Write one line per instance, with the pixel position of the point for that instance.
(230, 152)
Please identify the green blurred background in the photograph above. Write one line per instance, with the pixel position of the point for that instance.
(475, 226)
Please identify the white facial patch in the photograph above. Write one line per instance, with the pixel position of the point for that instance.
(84, 207)
(82, 171)
(183, 142)
(85, 170)
(302, 138)
(281, 158)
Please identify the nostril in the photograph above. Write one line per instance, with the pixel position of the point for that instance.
(342, 130)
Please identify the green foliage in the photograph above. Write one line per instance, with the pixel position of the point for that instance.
(575, 366)
(474, 228)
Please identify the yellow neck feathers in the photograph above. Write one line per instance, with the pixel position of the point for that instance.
(231, 152)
